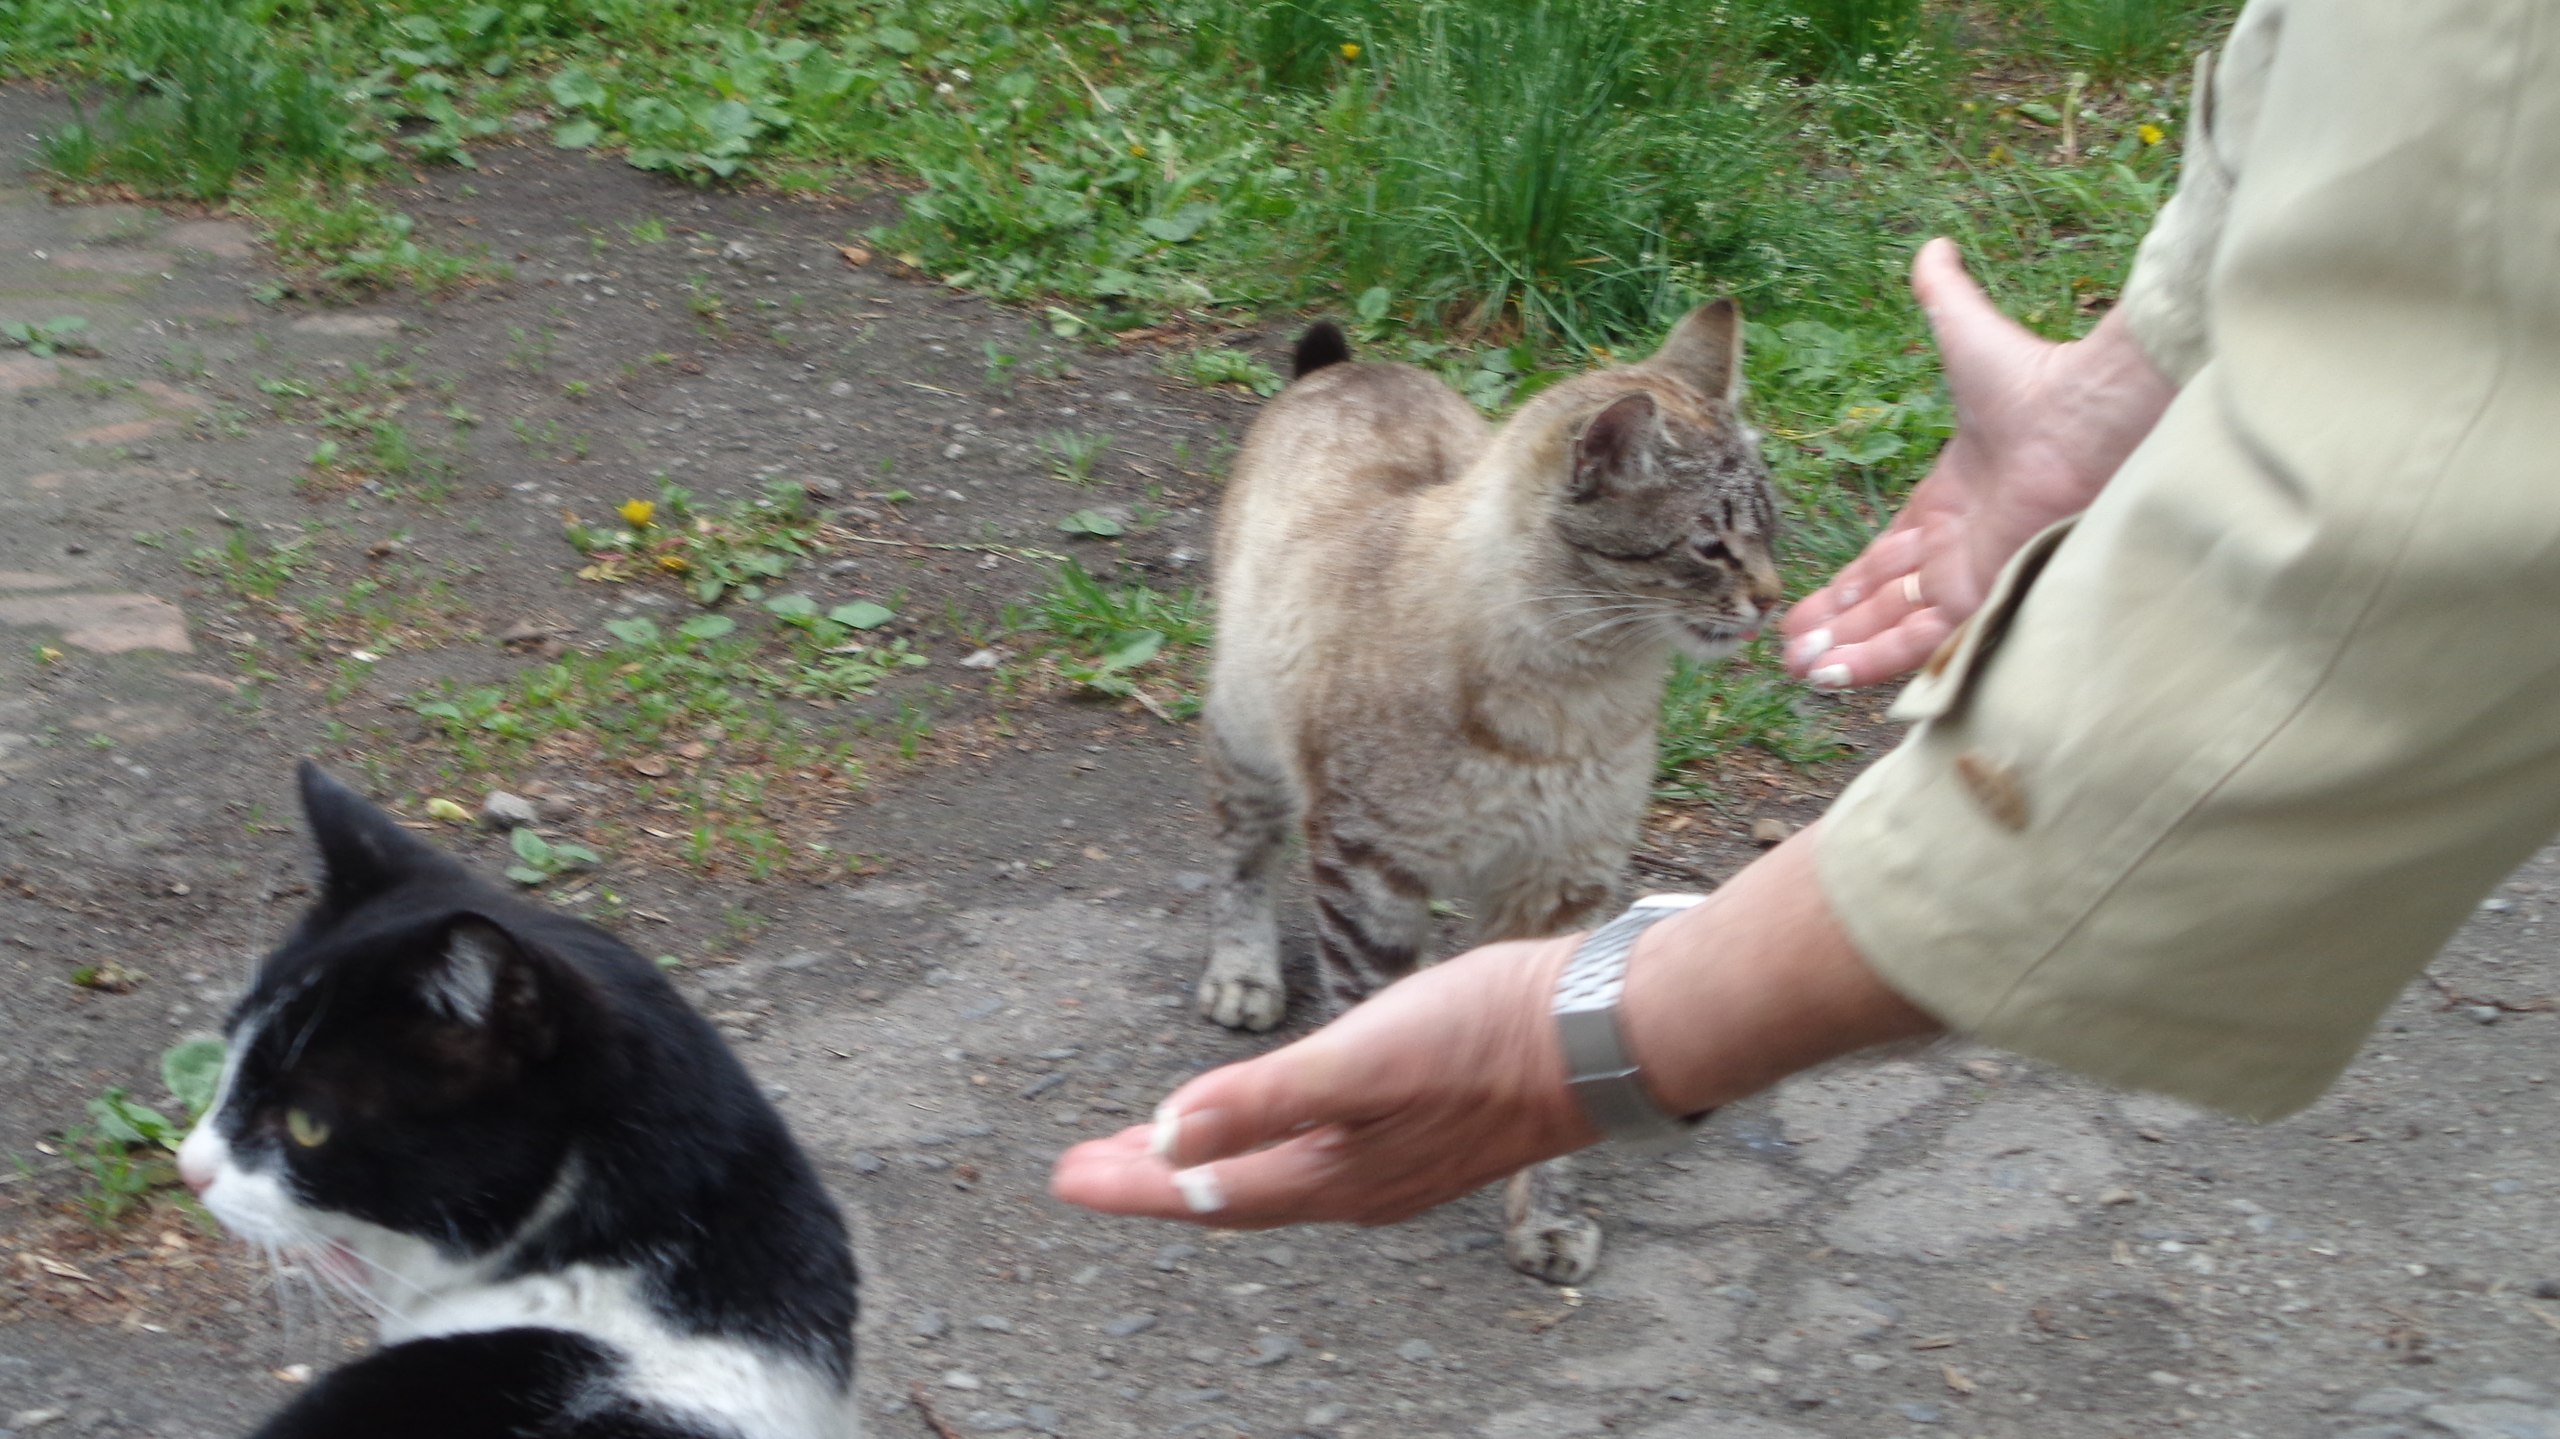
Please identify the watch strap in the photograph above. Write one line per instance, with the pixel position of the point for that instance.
(1600, 1069)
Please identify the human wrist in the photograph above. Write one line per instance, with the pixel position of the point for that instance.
(1754, 984)
(2114, 392)
(1544, 1071)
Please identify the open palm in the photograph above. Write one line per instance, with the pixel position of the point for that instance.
(2040, 428)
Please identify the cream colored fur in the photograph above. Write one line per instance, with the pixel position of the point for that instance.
(1422, 669)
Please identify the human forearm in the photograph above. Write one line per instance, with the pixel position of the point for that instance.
(1760, 981)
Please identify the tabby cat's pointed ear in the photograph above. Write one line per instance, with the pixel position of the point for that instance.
(1705, 349)
(363, 851)
(1610, 443)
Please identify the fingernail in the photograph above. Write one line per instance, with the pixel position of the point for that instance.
(1830, 677)
(1811, 647)
(1167, 1134)
(1200, 1191)
(1851, 596)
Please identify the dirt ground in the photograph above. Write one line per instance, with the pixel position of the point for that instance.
(1942, 1243)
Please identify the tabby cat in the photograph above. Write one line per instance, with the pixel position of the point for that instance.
(1441, 651)
(574, 1212)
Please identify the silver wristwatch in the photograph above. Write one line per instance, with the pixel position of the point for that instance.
(1599, 1069)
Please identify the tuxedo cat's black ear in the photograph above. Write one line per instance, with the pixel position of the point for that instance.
(1705, 349)
(1610, 444)
(480, 978)
(363, 851)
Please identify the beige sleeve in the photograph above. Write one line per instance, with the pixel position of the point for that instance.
(2164, 298)
(2220, 768)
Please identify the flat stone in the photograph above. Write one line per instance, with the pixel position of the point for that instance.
(2509, 1387)
(1832, 1116)
(1129, 1324)
(108, 624)
(1827, 1316)
(349, 325)
(112, 262)
(1719, 1191)
(1997, 1175)
(1534, 1421)
(2391, 1403)
(26, 372)
(1273, 1349)
(2496, 1419)
(173, 397)
(225, 238)
(1418, 1351)
(122, 432)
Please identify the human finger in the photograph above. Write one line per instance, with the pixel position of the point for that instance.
(1242, 1107)
(1870, 594)
(1299, 1182)
(1886, 655)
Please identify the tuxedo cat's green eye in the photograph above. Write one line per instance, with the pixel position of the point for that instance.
(307, 1130)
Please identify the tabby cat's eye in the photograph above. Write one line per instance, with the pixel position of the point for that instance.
(307, 1130)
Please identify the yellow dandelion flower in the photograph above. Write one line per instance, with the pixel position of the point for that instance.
(674, 564)
(1138, 150)
(1350, 51)
(2151, 134)
(638, 513)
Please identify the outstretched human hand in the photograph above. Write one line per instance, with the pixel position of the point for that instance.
(1431, 1089)
(2040, 429)
(1452, 1078)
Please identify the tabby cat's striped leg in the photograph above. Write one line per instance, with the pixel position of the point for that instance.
(1373, 912)
(1542, 1234)
(1242, 987)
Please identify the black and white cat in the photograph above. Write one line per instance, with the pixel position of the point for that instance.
(575, 1214)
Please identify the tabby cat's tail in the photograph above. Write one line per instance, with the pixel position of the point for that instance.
(1323, 344)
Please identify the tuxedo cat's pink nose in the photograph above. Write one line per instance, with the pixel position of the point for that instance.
(195, 1167)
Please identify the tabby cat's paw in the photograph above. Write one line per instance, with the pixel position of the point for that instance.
(1242, 1001)
(1558, 1248)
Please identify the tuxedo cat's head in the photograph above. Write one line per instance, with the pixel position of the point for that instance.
(1664, 505)
(412, 1061)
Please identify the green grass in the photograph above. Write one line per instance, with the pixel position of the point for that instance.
(1711, 711)
(1500, 190)
(127, 1150)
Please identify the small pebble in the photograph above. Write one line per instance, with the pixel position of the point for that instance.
(1272, 1349)
(866, 1162)
(994, 1323)
(929, 1324)
(1171, 1256)
(961, 1379)
(501, 810)
(1325, 1416)
(1923, 1413)
(1417, 1351)
(1129, 1324)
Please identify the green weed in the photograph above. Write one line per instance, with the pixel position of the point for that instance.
(127, 1149)
(249, 568)
(1072, 454)
(47, 338)
(335, 238)
(1213, 367)
(1714, 710)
